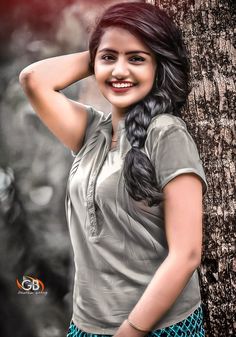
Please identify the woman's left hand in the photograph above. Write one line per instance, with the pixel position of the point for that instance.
(125, 330)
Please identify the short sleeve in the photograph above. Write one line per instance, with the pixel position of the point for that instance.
(95, 118)
(175, 153)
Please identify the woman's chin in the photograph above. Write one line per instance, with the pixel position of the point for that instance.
(121, 105)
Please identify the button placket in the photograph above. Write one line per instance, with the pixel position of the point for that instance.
(93, 228)
(91, 208)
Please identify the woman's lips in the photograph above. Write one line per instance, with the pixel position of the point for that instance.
(121, 89)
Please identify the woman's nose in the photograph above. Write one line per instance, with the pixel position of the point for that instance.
(120, 69)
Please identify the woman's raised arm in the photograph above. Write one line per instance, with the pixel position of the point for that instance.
(41, 82)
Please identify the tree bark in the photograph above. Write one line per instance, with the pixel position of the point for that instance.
(207, 27)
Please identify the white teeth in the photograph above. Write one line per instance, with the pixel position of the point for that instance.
(122, 85)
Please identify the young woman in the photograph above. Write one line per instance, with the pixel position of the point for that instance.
(134, 193)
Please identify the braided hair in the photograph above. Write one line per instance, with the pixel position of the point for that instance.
(169, 92)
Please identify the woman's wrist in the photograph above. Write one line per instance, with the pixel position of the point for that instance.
(136, 327)
(126, 330)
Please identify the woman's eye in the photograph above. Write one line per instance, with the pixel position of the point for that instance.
(107, 57)
(137, 59)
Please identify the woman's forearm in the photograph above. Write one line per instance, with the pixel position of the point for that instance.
(161, 293)
(58, 72)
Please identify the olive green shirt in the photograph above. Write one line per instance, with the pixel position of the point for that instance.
(119, 243)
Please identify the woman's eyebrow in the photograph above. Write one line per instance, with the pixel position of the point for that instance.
(129, 52)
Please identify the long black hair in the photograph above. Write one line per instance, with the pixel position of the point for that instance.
(170, 89)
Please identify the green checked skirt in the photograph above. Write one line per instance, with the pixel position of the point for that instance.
(192, 326)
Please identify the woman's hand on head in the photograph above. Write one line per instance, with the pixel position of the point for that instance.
(125, 330)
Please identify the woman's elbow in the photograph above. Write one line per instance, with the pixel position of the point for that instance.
(189, 260)
(28, 83)
(26, 78)
(194, 259)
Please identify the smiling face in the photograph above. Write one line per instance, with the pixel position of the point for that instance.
(124, 68)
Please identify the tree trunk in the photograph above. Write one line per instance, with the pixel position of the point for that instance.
(207, 27)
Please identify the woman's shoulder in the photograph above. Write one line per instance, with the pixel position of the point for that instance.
(95, 113)
(164, 120)
(165, 125)
(97, 119)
